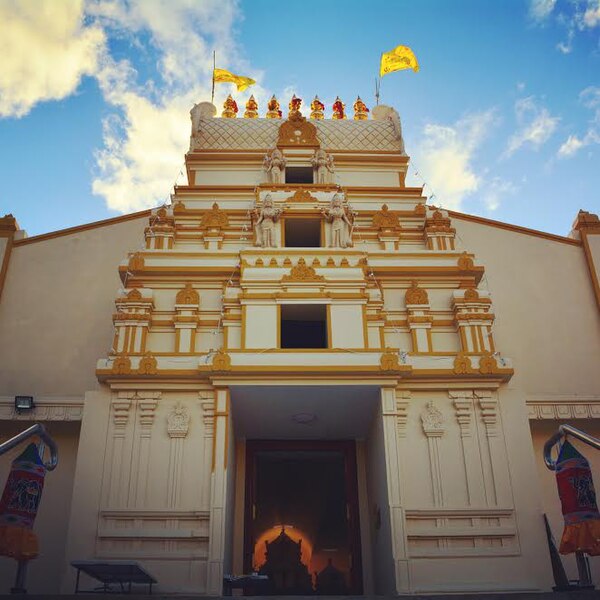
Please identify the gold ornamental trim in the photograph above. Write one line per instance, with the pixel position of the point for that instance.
(302, 272)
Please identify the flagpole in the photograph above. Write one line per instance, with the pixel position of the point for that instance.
(377, 88)
(212, 96)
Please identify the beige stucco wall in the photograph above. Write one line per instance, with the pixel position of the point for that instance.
(44, 573)
(56, 309)
(540, 432)
(547, 320)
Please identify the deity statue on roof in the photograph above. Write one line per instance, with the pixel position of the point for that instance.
(295, 104)
(266, 220)
(273, 110)
(316, 108)
(230, 108)
(274, 165)
(339, 223)
(361, 112)
(323, 165)
(251, 108)
(338, 109)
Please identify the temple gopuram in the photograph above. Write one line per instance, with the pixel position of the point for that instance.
(300, 369)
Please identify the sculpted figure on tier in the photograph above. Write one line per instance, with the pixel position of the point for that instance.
(274, 165)
(273, 110)
(265, 223)
(323, 165)
(340, 234)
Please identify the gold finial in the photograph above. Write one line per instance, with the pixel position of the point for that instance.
(295, 104)
(317, 108)
(361, 112)
(251, 108)
(273, 110)
(230, 108)
(338, 109)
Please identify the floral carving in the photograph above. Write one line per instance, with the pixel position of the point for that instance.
(386, 219)
(389, 360)
(471, 295)
(488, 364)
(297, 131)
(134, 294)
(178, 422)
(148, 365)
(302, 272)
(465, 262)
(301, 195)
(420, 210)
(416, 295)
(178, 207)
(121, 365)
(136, 261)
(433, 420)
(188, 295)
(221, 361)
(462, 364)
(214, 218)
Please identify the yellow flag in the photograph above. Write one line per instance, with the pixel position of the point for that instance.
(221, 75)
(401, 57)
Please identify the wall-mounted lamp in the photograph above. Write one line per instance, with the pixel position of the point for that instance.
(24, 403)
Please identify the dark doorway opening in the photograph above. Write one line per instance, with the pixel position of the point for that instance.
(299, 175)
(303, 326)
(302, 233)
(302, 527)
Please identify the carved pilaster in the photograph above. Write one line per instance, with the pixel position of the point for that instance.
(187, 303)
(434, 427)
(160, 234)
(463, 401)
(489, 412)
(132, 320)
(438, 232)
(474, 318)
(117, 475)
(140, 460)
(208, 415)
(419, 317)
(178, 423)
(402, 402)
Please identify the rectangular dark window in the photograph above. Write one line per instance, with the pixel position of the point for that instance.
(299, 175)
(304, 326)
(302, 233)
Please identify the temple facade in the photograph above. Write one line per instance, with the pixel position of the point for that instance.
(300, 368)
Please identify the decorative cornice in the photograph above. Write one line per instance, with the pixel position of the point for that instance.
(47, 408)
(563, 407)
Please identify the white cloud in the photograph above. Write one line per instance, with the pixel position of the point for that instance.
(570, 147)
(539, 10)
(146, 137)
(536, 125)
(494, 192)
(590, 98)
(591, 15)
(445, 157)
(46, 49)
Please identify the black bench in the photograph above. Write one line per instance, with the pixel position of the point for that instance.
(121, 573)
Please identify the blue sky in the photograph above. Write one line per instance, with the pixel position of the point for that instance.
(503, 119)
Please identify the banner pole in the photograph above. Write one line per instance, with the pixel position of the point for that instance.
(212, 96)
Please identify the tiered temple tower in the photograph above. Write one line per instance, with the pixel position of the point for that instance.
(297, 289)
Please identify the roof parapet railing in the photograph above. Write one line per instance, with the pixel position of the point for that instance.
(35, 430)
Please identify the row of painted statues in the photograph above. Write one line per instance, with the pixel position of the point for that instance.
(338, 215)
(322, 164)
(317, 108)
